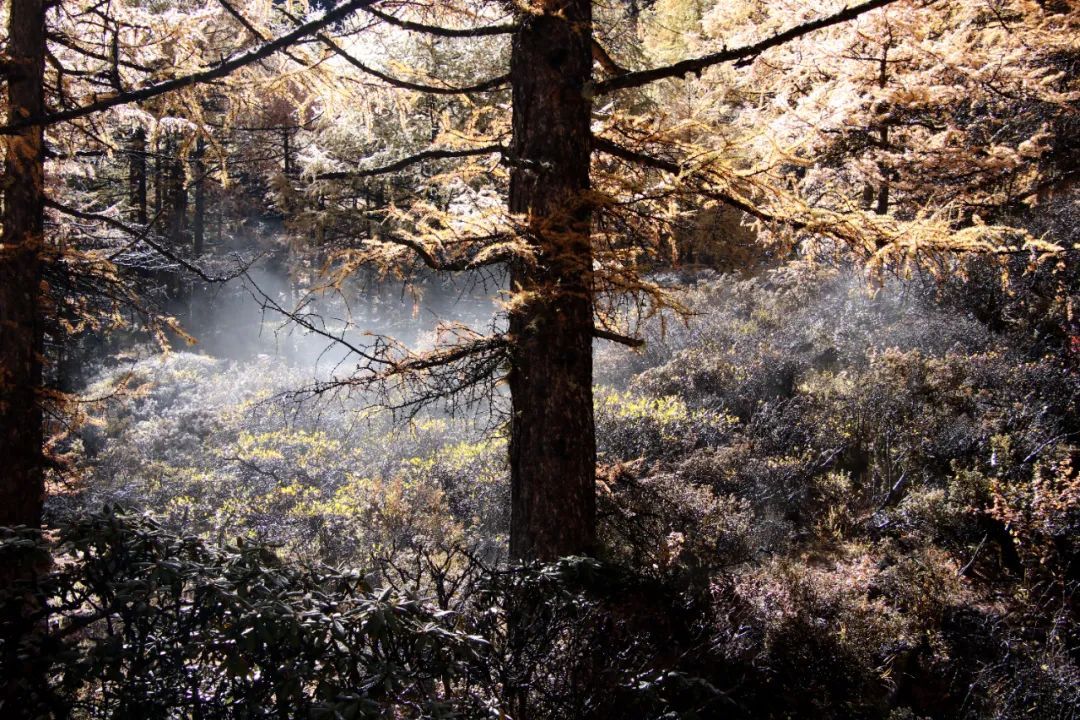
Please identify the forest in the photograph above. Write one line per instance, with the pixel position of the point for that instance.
(528, 359)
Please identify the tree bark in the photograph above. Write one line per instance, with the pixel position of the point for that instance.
(198, 219)
(552, 438)
(176, 203)
(287, 153)
(137, 175)
(177, 199)
(21, 327)
(882, 206)
(160, 149)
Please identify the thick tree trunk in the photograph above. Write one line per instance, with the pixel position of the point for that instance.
(21, 330)
(552, 441)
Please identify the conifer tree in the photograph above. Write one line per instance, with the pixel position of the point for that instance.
(593, 161)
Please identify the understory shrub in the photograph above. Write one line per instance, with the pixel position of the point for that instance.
(136, 622)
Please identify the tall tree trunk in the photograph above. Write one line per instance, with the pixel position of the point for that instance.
(21, 328)
(160, 148)
(286, 152)
(137, 175)
(22, 336)
(552, 438)
(198, 220)
(882, 206)
(177, 200)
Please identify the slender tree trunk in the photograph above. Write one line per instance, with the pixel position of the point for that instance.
(159, 172)
(198, 219)
(21, 329)
(882, 205)
(198, 236)
(137, 175)
(177, 200)
(287, 153)
(552, 439)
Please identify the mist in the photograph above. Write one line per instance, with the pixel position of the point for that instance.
(273, 311)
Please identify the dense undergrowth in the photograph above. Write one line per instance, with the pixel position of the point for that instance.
(815, 501)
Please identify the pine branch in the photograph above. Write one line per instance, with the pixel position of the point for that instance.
(623, 153)
(610, 148)
(460, 264)
(220, 70)
(741, 56)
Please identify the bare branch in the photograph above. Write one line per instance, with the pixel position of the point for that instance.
(741, 56)
(304, 320)
(603, 57)
(617, 337)
(484, 86)
(448, 356)
(442, 31)
(415, 380)
(142, 235)
(433, 154)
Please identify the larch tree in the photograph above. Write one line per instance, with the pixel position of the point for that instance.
(595, 174)
(593, 170)
(75, 74)
(963, 114)
(552, 435)
(21, 269)
(964, 106)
